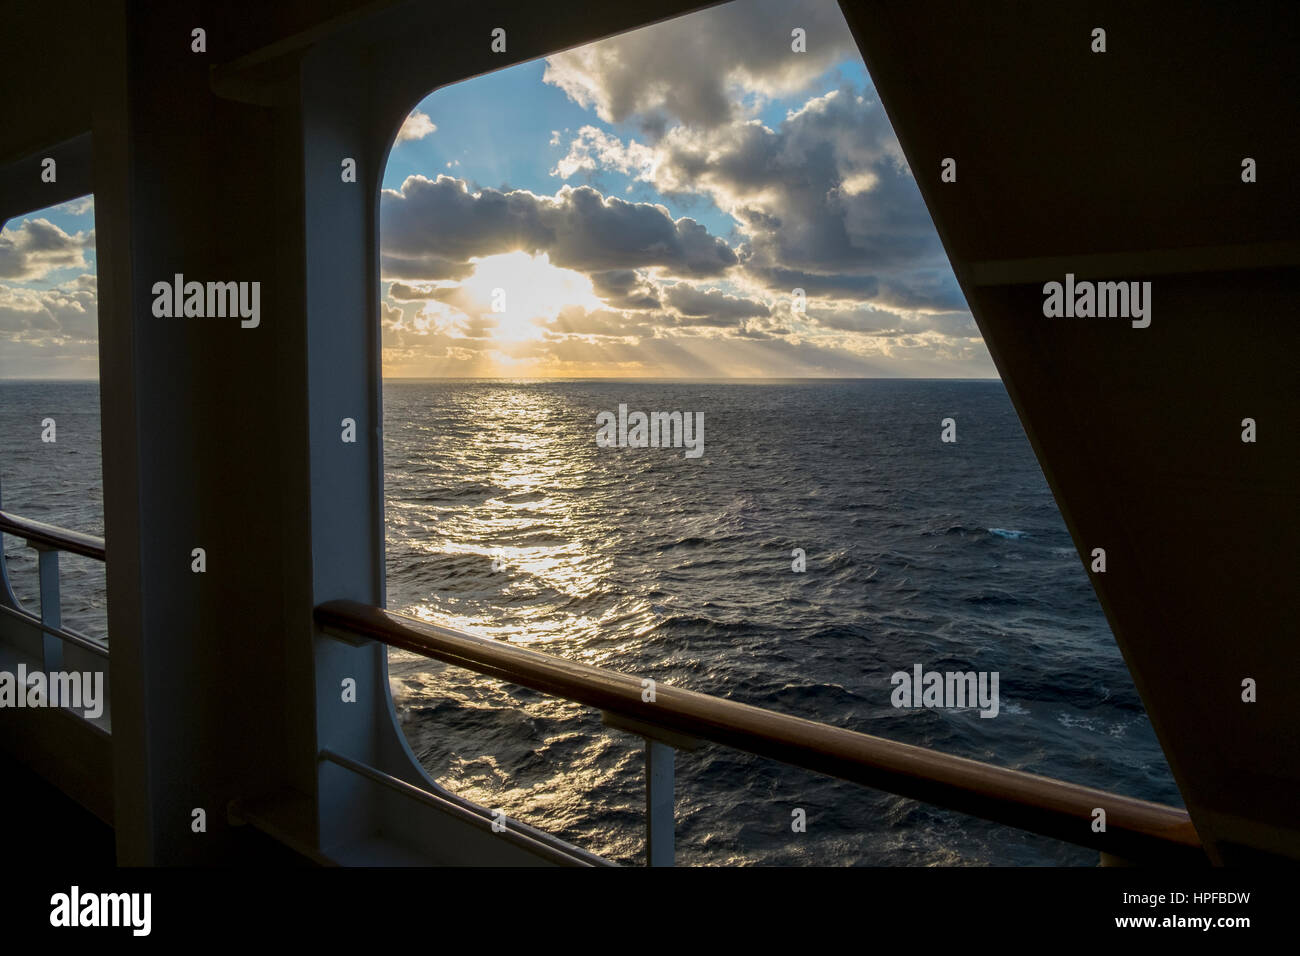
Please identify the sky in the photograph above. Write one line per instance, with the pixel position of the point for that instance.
(644, 206)
(49, 318)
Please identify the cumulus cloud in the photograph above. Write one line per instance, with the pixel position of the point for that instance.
(417, 126)
(442, 221)
(825, 202)
(704, 70)
(48, 314)
(37, 247)
(626, 289)
(593, 149)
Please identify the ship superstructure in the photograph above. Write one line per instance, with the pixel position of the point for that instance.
(227, 686)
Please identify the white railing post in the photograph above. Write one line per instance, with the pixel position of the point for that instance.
(661, 747)
(51, 610)
(659, 803)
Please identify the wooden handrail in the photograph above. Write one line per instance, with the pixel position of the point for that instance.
(40, 534)
(1135, 830)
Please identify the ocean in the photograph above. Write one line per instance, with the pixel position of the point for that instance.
(60, 482)
(505, 518)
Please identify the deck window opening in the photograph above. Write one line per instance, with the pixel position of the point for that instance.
(698, 223)
(49, 405)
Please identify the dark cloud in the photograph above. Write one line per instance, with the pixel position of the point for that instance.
(865, 319)
(412, 292)
(713, 304)
(817, 285)
(37, 247)
(417, 266)
(441, 218)
(578, 228)
(868, 320)
(824, 202)
(594, 233)
(917, 289)
(825, 195)
(687, 69)
(625, 289)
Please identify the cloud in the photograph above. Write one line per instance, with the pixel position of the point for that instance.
(37, 247)
(49, 314)
(593, 149)
(417, 292)
(16, 317)
(919, 288)
(704, 69)
(414, 264)
(863, 319)
(625, 289)
(78, 207)
(693, 303)
(825, 202)
(417, 126)
(786, 186)
(603, 322)
(441, 221)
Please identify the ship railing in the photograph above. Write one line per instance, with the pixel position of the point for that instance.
(49, 540)
(669, 719)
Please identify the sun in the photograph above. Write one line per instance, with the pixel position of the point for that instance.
(523, 293)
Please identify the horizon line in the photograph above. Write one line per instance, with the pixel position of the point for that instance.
(606, 378)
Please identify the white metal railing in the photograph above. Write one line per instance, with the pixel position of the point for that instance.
(48, 540)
